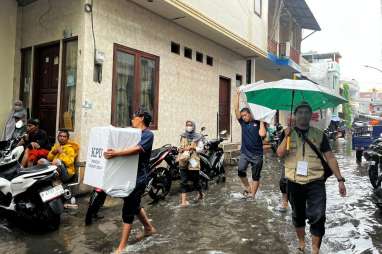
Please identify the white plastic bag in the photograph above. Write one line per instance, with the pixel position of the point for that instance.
(116, 176)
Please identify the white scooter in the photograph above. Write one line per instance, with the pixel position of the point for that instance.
(29, 193)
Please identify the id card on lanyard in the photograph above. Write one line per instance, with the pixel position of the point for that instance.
(302, 166)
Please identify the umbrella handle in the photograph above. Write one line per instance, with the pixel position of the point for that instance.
(288, 143)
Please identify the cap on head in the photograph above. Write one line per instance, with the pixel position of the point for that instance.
(303, 104)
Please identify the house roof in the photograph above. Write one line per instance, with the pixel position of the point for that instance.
(303, 15)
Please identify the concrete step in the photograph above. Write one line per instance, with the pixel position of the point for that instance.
(230, 146)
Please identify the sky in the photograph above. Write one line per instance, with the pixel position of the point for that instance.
(354, 29)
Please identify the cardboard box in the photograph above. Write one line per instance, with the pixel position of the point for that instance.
(116, 176)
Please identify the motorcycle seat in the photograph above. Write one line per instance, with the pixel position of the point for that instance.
(156, 154)
(33, 169)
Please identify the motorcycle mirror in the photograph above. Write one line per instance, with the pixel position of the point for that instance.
(223, 133)
(203, 128)
(19, 124)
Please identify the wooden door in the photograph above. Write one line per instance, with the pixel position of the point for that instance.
(224, 104)
(46, 87)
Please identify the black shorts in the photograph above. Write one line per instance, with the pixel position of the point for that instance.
(256, 165)
(308, 201)
(132, 204)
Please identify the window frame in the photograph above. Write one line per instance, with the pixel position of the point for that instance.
(63, 90)
(209, 60)
(137, 85)
(261, 8)
(177, 45)
(187, 51)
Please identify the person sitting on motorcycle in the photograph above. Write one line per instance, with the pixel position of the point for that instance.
(36, 142)
(63, 155)
(189, 161)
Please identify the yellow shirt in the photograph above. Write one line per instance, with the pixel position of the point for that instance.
(68, 155)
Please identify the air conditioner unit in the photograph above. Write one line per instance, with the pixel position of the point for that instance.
(284, 49)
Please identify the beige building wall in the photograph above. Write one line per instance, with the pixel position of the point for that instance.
(187, 89)
(238, 16)
(40, 23)
(8, 13)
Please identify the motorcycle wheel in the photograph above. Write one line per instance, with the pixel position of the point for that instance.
(47, 219)
(161, 184)
(358, 156)
(96, 201)
(373, 175)
(221, 176)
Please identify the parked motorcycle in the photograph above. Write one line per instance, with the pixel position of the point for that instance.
(276, 136)
(212, 158)
(29, 193)
(374, 156)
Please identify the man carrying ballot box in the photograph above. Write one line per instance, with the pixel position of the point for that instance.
(132, 203)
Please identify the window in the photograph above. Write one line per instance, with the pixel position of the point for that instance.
(210, 60)
(175, 48)
(69, 84)
(249, 72)
(188, 53)
(26, 77)
(199, 57)
(135, 85)
(258, 7)
(239, 80)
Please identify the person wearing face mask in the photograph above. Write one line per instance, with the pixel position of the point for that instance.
(10, 124)
(189, 161)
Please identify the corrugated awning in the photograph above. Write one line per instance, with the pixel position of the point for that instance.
(302, 13)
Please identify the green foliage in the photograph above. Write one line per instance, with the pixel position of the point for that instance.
(346, 108)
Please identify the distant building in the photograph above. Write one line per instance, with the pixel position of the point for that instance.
(323, 69)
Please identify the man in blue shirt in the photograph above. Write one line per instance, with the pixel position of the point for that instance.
(252, 134)
(132, 203)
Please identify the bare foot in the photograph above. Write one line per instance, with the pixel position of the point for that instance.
(146, 233)
(200, 196)
(184, 204)
(301, 247)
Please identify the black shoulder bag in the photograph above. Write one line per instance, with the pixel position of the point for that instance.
(327, 171)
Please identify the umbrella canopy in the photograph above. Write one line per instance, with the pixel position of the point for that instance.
(285, 94)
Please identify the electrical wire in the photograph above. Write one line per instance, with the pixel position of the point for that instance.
(94, 39)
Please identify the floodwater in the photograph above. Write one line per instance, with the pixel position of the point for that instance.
(223, 223)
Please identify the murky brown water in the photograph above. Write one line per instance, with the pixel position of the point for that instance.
(222, 223)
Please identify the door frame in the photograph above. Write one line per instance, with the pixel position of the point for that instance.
(35, 56)
(35, 78)
(229, 80)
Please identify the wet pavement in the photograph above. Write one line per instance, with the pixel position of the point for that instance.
(223, 223)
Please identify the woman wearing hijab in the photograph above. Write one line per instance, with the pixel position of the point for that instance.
(10, 124)
(189, 161)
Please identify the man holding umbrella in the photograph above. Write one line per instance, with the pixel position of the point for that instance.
(306, 176)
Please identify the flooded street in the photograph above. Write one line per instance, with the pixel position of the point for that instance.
(223, 223)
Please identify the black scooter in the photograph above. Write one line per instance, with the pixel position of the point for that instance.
(212, 158)
(374, 156)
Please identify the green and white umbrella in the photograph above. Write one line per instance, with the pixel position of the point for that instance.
(286, 94)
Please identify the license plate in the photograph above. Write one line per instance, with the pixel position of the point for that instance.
(372, 163)
(52, 193)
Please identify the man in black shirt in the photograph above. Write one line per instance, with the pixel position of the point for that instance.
(132, 203)
(36, 143)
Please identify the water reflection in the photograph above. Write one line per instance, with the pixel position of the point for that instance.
(223, 223)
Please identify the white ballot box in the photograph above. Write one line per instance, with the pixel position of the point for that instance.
(116, 176)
